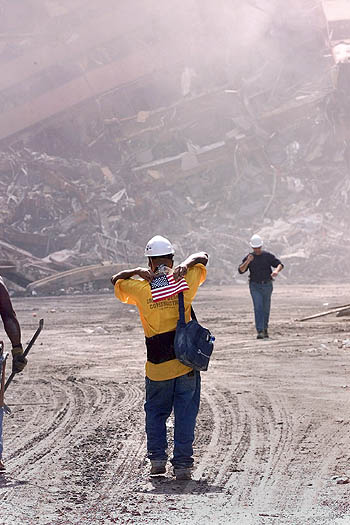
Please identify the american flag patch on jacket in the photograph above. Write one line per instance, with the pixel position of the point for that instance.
(165, 286)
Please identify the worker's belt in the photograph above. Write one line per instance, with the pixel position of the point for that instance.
(261, 282)
(160, 347)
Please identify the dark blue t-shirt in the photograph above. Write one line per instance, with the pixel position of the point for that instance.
(260, 268)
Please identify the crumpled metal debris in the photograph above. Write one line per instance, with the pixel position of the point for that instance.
(248, 142)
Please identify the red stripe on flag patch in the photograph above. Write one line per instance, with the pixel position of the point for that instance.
(164, 286)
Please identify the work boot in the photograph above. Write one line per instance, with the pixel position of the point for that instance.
(2, 466)
(266, 334)
(260, 335)
(183, 474)
(158, 468)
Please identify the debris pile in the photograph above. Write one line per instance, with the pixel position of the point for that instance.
(57, 215)
(242, 143)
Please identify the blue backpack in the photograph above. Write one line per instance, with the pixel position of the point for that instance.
(193, 343)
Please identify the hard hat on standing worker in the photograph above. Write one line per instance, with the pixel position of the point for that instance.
(256, 241)
(158, 246)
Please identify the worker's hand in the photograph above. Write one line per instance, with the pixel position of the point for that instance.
(19, 361)
(250, 258)
(146, 274)
(180, 271)
(274, 274)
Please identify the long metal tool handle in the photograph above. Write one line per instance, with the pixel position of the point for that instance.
(26, 351)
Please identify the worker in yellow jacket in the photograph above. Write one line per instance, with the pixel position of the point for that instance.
(170, 385)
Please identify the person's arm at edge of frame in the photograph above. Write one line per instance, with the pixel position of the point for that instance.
(144, 273)
(196, 258)
(12, 329)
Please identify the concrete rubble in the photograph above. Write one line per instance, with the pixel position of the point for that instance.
(208, 152)
(342, 480)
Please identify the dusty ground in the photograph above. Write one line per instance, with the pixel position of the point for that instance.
(272, 433)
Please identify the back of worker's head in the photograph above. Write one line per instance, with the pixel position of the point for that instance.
(159, 250)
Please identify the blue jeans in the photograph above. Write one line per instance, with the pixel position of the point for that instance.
(261, 295)
(1, 419)
(183, 395)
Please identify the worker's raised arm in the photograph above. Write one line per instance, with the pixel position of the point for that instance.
(144, 273)
(8, 316)
(242, 268)
(192, 260)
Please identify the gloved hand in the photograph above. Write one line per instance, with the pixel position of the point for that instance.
(19, 361)
(180, 271)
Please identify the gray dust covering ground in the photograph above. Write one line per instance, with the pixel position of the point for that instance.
(272, 434)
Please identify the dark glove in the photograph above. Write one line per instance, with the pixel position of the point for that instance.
(19, 361)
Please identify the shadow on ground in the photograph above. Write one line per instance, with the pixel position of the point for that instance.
(7, 481)
(164, 485)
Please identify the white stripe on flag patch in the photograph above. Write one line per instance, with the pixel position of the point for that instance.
(165, 286)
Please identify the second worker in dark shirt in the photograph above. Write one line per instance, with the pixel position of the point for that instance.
(261, 275)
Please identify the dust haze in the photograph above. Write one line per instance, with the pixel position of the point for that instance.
(204, 122)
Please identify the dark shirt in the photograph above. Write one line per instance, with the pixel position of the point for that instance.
(260, 268)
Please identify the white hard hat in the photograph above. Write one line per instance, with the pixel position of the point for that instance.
(256, 241)
(158, 246)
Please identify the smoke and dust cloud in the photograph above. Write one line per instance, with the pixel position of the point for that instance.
(205, 122)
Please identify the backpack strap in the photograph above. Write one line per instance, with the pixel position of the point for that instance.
(193, 315)
(182, 309)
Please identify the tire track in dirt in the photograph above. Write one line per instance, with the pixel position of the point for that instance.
(110, 458)
(98, 429)
(237, 447)
(275, 490)
(211, 422)
(266, 483)
(59, 427)
(235, 454)
(258, 451)
(107, 455)
(315, 457)
(246, 442)
(37, 424)
(271, 438)
(248, 453)
(270, 479)
(82, 407)
(32, 414)
(281, 425)
(228, 439)
(132, 447)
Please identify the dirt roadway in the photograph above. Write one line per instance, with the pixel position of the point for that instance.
(273, 430)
